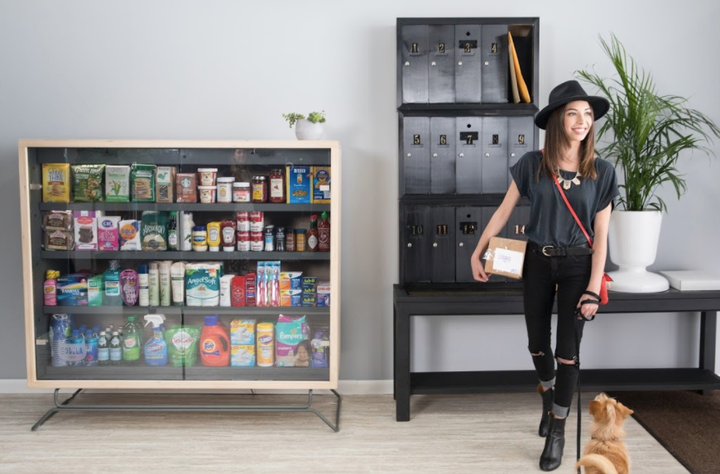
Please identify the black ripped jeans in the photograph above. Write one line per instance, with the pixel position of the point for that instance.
(543, 277)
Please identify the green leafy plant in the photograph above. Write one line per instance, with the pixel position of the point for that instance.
(646, 131)
(314, 117)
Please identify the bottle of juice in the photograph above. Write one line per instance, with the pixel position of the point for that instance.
(324, 233)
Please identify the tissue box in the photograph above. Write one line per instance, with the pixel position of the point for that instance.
(242, 355)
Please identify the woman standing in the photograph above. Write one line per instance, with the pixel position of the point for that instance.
(559, 259)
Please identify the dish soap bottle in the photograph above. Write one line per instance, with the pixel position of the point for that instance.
(132, 342)
(112, 296)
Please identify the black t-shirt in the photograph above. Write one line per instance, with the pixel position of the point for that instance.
(551, 222)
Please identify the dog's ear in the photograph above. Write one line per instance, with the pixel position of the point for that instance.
(624, 411)
(596, 408)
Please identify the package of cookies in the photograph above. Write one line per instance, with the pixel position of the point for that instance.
(142, 182)
(88, 183)
(56, 182)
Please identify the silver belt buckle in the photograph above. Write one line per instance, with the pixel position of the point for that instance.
(544, 252)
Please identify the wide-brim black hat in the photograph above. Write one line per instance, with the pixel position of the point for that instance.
(568, 92)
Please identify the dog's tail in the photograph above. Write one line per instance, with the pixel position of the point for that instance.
(597, 461)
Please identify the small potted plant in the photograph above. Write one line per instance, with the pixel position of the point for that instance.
(309, 128)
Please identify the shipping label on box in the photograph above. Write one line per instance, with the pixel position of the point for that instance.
(299, 185)
(505, 257)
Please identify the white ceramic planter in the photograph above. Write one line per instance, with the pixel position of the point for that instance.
(306, 130)
(632, 244)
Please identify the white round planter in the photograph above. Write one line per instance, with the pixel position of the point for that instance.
(306, 130)
(633, 242)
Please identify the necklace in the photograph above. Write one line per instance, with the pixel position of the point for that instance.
(566, 183)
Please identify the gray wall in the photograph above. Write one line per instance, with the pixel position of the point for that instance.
(228, 69)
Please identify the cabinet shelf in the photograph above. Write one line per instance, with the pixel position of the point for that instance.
(170, 255)
(256, 373)
(179, 206)
(468, 109)
(189, 310)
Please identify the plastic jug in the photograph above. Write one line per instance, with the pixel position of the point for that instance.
(214, 343)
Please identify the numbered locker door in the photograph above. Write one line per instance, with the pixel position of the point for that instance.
(468, 62)
(469, 225)
(416, 155)
(441, 55)
(495, 64)
(468, 164)
(442, 155)
(442, 248)
(518, 223)
(487, 213)
(414, 66)
(414, 245)
(494, 158)
(521, 139)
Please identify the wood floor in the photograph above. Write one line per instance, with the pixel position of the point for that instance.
(490, 433)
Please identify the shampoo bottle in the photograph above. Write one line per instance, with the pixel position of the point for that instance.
(154, 284)
(143, 286)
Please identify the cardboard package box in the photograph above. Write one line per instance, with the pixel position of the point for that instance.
(505, 257)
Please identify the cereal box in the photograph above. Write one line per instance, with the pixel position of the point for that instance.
(117, 183)
(56, 182)
(299, 185)
(321, 184)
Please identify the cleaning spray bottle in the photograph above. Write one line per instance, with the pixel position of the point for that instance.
(156, 352)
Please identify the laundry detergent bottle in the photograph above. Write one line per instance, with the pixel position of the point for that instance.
(214, 343)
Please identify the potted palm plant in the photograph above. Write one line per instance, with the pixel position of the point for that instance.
(309, 128)
(645, 134)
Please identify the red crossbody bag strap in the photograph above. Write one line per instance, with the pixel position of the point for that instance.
(572, 211)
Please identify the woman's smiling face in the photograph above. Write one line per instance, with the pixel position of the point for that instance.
(577, 120)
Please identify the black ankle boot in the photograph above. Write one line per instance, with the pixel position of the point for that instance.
(551, 456)
(547, 401)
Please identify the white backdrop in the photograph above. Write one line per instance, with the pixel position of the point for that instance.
(229, 69)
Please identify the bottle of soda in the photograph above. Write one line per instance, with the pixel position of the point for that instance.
(115, 349)
(131, 342)
(103, 349)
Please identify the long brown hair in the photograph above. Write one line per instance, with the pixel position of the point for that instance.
(556, 141)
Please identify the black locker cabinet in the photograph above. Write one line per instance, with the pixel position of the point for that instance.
(494, 155)
(468, 63)
(468, 166)
(414, 63)
(469, 225)
(416, 155)
(441, 55)
(521, 139)
(415, 244)
(495, 64)
(442, 244)
(518, 222)
(442, 155)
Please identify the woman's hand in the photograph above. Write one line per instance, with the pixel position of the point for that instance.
(477, 268)
(587, 310)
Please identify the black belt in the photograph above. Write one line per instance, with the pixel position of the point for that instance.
(552, 251)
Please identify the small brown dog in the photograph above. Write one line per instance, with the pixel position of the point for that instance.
(605, 453)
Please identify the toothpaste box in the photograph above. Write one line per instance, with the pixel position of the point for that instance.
(299, 185)
(86, 229)
(242, 332)
(242, 355)
(108, 237)
(323, 294)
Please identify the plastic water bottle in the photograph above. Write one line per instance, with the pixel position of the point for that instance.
(74, 349)
(60, 331)
(115, 349)
(91, 349)
(103, 348)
